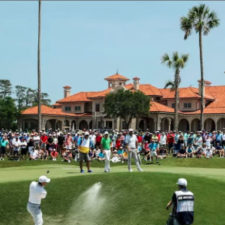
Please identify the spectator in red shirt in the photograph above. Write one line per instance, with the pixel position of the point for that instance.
(44, 139)
(54, 154)
(118, 142)
(140, 138)
(98, 140)
(170, 140)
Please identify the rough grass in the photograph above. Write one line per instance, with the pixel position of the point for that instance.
(132, 199)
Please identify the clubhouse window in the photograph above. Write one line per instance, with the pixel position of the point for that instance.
(77, 108)
(187, 105)
(67, 108)
(97, 108)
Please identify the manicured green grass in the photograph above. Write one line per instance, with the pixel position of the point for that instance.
(215, 162)
(131, 199)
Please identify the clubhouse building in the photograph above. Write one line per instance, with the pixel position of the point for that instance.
(85, 110)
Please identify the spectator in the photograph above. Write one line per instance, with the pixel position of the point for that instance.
(24, 149)
(153, 146)
(54, 154)
(3, 145)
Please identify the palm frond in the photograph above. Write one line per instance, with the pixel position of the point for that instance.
(186, 26)
(166, 60)
(175, 56)
(185, 57)
(170, 84)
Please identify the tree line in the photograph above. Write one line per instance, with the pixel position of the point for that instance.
(15, 99)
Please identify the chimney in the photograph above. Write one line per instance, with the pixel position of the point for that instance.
(205, 83)
(136, 83)
(67, 91)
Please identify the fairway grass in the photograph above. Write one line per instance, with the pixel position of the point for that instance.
(130, 198)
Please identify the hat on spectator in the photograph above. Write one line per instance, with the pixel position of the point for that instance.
(131, 130)
(86, 133)
(44, 179)
(106, 132)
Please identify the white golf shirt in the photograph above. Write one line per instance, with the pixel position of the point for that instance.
(37, 192)
(131, 141)
(163, 140)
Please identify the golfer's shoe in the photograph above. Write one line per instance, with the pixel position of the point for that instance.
(130, 170)
(89, 171)
(81, 171)
(141, 170)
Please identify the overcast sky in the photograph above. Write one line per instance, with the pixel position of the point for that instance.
(83, 42)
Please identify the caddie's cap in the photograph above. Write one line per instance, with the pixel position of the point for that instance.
(182, 182)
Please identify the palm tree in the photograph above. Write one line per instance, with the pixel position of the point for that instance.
(202, 20)
(39, 66)
(177, 63)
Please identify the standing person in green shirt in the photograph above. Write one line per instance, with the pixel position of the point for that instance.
(3, 144)
(106, 147)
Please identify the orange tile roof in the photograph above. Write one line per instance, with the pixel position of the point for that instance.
(157, 107)
(78, 97)
(101, 94)
(56, 104)
(46, 110)
(218, 105)
(147, 89)
(188, 92)
(116, 76)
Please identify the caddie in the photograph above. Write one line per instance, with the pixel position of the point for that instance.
(84, 148)
(183, 205)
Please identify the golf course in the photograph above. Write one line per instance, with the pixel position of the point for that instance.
(116, 198)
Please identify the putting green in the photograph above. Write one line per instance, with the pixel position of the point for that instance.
(25, 173)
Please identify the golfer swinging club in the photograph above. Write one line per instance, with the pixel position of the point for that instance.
(36, 193)
(183, 205)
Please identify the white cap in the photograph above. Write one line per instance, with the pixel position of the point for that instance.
(86, 133)
(43, 179)
(106, 132)
(182, 182)
(131, 130)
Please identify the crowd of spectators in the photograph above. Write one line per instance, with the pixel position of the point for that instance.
(58, 145)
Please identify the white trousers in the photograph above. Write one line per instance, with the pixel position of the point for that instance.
(36, 213)
(107, 160)
(133, 153)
